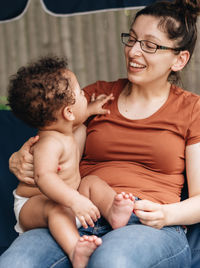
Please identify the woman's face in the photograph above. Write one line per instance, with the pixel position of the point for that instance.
(143, 67)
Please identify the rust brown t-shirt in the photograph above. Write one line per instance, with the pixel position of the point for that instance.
(145, 157)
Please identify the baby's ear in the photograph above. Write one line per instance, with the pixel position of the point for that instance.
(68, 113)
(181, 61)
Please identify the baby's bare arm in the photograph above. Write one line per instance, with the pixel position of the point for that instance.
(97, 103)
(80, 137)
(48, 154)
(46, 161)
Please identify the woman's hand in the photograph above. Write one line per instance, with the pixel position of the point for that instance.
(150, 213)
(21, 162)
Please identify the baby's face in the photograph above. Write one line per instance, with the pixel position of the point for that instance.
(80, 106)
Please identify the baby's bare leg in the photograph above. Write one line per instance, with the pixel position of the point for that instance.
(39, 211)
(116, 208)
(99, 192)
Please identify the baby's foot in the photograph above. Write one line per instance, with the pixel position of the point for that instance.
(121, 210)
(84, 249)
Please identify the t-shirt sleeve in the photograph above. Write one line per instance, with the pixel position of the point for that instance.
(193, 132)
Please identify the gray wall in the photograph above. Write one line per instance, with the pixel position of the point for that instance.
(91, 42)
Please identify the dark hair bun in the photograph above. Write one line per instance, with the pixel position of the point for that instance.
(191, 8)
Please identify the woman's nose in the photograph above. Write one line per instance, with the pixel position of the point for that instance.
(136, 49)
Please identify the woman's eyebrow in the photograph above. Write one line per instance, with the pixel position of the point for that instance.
(148, 36)
(152, 37)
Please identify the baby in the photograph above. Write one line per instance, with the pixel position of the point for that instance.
(46, 95)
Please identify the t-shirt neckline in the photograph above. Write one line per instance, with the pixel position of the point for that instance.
(121, 87)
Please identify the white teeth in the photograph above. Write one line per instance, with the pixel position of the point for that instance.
(136, 65)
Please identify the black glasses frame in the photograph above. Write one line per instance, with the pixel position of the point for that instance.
(123, 35)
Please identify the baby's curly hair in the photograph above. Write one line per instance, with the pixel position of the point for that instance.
(37, 91)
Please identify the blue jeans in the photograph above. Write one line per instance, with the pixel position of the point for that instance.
(134, 245)
(193, 236)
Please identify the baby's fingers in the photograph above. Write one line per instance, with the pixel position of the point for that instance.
(107, 98)
(83, 221)
(95, 214)
(93, 98)
(89, 220)
(86, 220)
(104, 111)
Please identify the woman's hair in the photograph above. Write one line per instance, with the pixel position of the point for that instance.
(178, 20)
(37, 91)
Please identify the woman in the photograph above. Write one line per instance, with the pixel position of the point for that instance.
(144, 146)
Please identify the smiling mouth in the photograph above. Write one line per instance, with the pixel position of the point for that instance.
(136, 65)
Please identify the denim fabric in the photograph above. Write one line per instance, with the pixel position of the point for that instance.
(140, 246)
(134, 245)
(193, 236)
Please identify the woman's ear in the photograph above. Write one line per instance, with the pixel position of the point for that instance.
(181, 60)
(68, 113)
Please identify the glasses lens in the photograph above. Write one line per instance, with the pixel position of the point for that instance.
(128, 40)
(148, 46)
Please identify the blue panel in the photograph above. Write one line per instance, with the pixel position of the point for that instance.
(10, 9)
(75, 6)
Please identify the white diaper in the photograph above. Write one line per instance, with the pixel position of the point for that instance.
(19, 201)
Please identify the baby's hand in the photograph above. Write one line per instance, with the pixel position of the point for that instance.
(85, 211)
(96, 104)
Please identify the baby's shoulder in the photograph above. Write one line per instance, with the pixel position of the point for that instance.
(52, 140)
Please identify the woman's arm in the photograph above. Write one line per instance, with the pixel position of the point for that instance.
(188, 211)
(182, 213)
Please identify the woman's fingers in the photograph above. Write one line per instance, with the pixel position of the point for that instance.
(29, 181)
(150, 213)
(21, 162)
(29, 143)
(145, 205)
(147, 215)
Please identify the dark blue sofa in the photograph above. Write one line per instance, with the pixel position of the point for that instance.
(13, 134)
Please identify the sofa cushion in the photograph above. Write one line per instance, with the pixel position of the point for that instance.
(13, 134)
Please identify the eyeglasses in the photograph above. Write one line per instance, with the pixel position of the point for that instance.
(146, 46)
